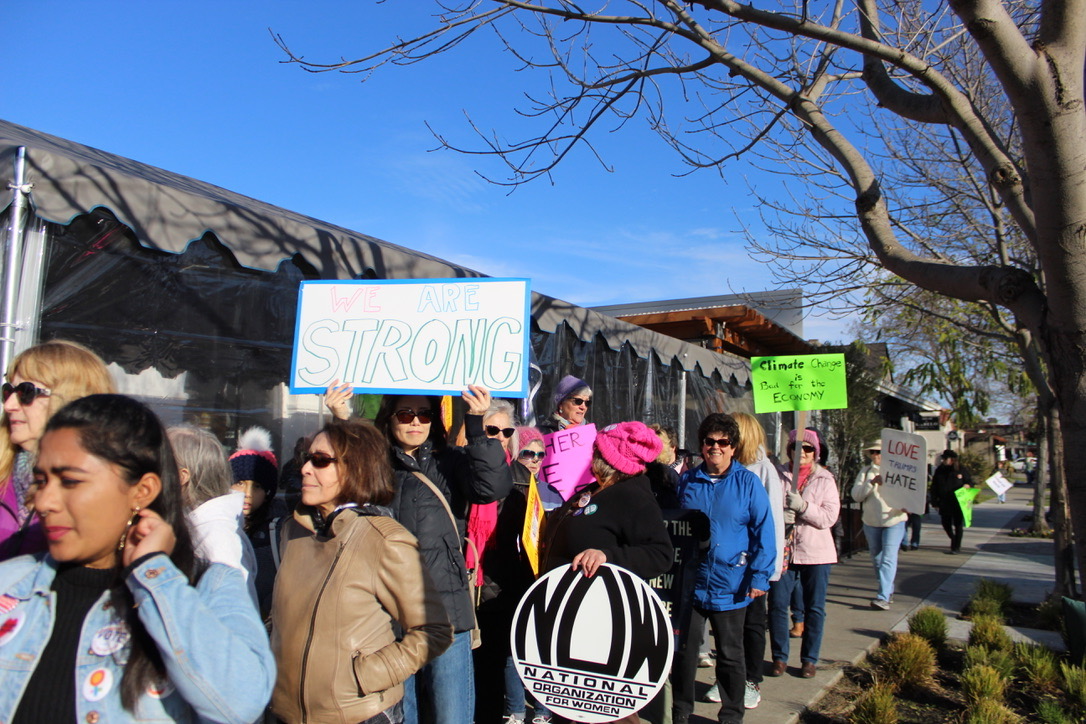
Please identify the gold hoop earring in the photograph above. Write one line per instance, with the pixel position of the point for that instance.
(128, 527)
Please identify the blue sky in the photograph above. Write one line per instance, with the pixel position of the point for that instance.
(198, 88)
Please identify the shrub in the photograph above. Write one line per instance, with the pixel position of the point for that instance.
(929, 623)
(999, 660)
(908, 660)
(979, 467)
(1074, 682)
(983, 607)
(1050, 614)
(988, 631)
(982, 683)
(987, 711)
(1050, 712)
(876, 706)
(1038, 666)
(993, 590)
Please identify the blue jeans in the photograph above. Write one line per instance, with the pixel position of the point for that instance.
(884, 544)
(443, 691)
(514, 689)
(814, 579)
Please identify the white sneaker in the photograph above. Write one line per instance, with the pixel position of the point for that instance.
(514, 718)
(752, 697)
(880, 604)
(705, 661)
(713, 694)
(541, 719)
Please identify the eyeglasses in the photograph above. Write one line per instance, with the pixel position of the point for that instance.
(531, 455)
(319, 460)
(721, 441)
(808, 448)
(406, 416)
(578, 401)
(493, 431)
(27, 391)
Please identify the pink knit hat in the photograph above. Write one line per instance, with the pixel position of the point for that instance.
(628, 446)
(529, 435)
(810, 436)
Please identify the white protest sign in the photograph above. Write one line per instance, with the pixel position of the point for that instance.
(999, 484)
(418, 336)
(568, 464)
(592, 649)
(904, 470)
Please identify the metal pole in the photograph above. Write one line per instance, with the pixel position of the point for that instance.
(20, 190)
(681, 427)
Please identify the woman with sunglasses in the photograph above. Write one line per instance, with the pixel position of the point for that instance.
(40, 381)
(443, 691)
(572, 398)
(734, 572)
(120, 621)
(811, 507)
(351, 579)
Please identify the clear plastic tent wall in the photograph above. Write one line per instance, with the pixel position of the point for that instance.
(208, 342)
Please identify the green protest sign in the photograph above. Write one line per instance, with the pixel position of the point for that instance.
(965, 497)
(799, 382)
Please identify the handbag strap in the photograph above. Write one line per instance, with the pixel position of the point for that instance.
(440, 496)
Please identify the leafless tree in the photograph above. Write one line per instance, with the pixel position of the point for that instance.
(793, 79)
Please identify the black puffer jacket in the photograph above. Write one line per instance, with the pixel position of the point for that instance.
(477, 473)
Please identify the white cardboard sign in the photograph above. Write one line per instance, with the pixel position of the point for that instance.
(592, 649)
(418, 336)
(999, 484)
(904, 470)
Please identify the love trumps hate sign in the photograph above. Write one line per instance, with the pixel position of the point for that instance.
(799, 382)
(418, 336)
(904, 470)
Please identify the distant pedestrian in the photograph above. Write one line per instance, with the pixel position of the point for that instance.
(884, 526)
(949, 477)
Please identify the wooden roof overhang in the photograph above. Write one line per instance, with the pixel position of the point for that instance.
(737, 329)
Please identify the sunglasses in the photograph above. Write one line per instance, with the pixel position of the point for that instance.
(531, 455)
(319, 460)
(493, 431)
(578, 401)
(406, 416)
(808, 448)
(721, 441)
(27, 392)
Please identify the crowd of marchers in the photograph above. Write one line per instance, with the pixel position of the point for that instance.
(148, 574)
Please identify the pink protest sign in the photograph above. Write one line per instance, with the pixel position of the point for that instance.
(568, 465)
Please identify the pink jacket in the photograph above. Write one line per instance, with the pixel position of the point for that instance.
(813, 538)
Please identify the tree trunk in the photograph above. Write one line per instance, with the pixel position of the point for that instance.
(1040, 473)
(1064, 529)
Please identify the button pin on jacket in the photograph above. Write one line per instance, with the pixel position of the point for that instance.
(97, 684)
(9, 627)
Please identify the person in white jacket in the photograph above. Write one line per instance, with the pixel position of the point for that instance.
(884, 526)
(215, 515)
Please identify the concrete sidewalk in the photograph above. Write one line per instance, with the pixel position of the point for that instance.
(929, 576)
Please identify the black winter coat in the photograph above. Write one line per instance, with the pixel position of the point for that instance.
(476, 473)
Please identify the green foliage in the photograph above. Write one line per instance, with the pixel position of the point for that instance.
(929, 623)
(1074, 682)
(982, 683)
(989, 711)
(1038, 666)
(1050, 712)
(994, 590)
(983, 607)
(1050, 614)
(1001, 661)
(876, 706)
(908, 661)
(979, 467)
(988, 631)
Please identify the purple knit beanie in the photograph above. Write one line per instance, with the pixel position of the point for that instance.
(567, 386)
(628, 446)
(810, 436)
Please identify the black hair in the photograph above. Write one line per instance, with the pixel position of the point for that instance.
(126, 433)
(391, 403)
(721, 423)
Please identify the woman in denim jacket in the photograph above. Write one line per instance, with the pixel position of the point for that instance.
(152, 635)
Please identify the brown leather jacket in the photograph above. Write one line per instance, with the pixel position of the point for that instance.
(333, 609)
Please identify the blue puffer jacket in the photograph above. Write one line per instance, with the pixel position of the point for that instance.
(741, 545)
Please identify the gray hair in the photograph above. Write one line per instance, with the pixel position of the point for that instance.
(201, 453)
(498, 405)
